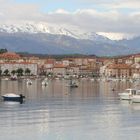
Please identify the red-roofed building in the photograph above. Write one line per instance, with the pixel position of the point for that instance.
(119, 71)
(10, 56)
(59, 69)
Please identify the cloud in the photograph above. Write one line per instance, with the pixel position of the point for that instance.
(114, 4)
(60, 11)
(92, 20)
(88, 19)
(121, 4)
(11, 11)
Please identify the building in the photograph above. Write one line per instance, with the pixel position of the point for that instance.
(10, 57)
(10, 66)
(59, 69)
(137, 58)
(136, 70)
(73, 70)
(118, 71)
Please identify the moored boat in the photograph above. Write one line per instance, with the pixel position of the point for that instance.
(44, 83)
(136, 98)
(127, 95)
(29, 82)
(13, 97)
(13, 78)
(73, 84)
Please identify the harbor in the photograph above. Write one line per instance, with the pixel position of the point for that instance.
(69, 70)
(57, 111)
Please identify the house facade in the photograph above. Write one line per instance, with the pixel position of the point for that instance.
(23, 65)
(118, 71)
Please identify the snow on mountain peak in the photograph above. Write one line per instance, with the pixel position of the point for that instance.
(51, 29)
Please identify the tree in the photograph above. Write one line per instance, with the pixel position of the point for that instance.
(19, 71)
(3, 51)
(6, 72)
(27, 71)
(13, 72)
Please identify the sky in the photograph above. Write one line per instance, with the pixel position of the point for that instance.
(112, 18)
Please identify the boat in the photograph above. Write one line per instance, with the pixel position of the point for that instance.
(29, 82)
(13, 78)
(73, 84)
(6, 79)
(92, 79)
(13, 97)
(127, 95)
(44, 82)
(136, 98)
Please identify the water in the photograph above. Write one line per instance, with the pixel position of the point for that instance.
(91, 111)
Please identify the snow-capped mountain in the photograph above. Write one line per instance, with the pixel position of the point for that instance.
(50, 29)
(50, 39)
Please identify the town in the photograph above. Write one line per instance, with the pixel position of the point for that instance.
(121, 67)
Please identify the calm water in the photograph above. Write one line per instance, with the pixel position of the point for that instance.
(90, 112)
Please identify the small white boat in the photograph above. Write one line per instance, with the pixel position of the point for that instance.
(6, 79)
(92, 79)
(73, 84)
(44, 83)
(136, 98)
(127, 95)
(13, 97)
(29, 82)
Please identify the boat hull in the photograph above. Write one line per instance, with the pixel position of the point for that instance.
(136, 99)
(44, 83)
(29, 83)
(15, 99)
(73, 86)
(125, 96)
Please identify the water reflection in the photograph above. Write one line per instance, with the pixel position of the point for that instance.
(58, 112)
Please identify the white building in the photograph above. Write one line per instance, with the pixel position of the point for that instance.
(24, 65)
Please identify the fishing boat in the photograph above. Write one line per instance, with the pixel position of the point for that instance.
(13, 97)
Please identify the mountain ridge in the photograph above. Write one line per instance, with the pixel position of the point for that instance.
(67, 42)
(55, 30)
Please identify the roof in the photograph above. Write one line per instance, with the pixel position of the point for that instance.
(9, 55)
(17, 63)
(119, 66)
(59, 66)
(138, 55)
(50, 61)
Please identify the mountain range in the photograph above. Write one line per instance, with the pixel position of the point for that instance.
(47, 39)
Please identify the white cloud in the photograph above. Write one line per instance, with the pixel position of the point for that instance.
(114, 4)
(110, 22)
(116, 36)
(88, 19)
(123, 4)
(60, 11)
(11, 11)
